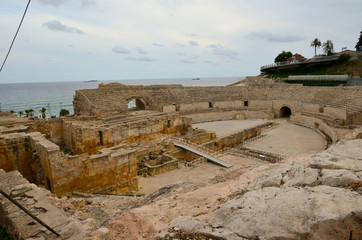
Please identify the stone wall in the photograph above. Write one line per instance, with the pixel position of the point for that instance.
(82, 138)
(228, 115)
(114, 98)
(52, 128)
(104, 172)
(255, 94)
(113, 171)
(316, 123)
(16, 154)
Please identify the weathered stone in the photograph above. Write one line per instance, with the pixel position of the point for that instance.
(271, 213)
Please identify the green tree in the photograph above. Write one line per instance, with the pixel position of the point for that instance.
(283, 56)
(316, 44)
(328, 47)
(42, 111)
(12, 111)
(64, 112)
(20, 113)
(359, 43)
(27, 112)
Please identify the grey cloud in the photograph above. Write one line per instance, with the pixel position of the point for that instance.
(218, 49)
(193, 43)
(158, 45)
(87, 3)
(191, 35)
(270, 37)
(141, 59)
(120, 50)
(141, 51)
(59, 27)
(58, 3)
(54, 3)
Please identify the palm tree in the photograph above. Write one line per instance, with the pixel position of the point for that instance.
(31, 112)
(42, 111)
(328, 47)
(20, 113)
(315, 43)
(27, 113)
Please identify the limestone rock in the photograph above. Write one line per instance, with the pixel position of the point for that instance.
(316, 199)
(320, 212)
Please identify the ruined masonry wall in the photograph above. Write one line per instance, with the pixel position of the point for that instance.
(109, 100)
(81, 138)
(114, 171)
(16, 153)
(170, 98)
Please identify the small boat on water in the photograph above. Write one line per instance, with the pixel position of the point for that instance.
(196, 79)
(91, 81)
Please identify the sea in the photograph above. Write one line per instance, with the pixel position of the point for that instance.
(54, 96)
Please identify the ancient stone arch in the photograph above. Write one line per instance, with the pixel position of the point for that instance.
(137, 103)
(285, 111)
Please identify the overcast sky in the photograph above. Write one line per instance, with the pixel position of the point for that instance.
(78, 40)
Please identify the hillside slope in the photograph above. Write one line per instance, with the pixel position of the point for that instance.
(352, 68)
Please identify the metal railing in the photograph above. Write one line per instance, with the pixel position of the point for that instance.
(308, 60)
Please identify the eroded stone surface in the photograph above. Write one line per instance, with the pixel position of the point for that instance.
(294, 200)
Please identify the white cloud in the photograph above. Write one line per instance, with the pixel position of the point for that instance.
(57, 26)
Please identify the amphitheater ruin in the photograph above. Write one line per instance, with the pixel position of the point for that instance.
(132, 141)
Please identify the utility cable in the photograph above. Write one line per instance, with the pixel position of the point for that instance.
(17, 31)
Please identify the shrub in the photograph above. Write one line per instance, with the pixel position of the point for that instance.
(64, 112)
(344, 57)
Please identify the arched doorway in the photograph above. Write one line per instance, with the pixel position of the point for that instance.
(136, 104)
(285, 112)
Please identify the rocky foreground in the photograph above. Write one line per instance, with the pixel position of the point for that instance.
(305, 197)
(316, 197)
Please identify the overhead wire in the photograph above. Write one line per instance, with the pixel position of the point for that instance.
(17, 31)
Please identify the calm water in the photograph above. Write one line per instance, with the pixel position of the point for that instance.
(57, 95)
